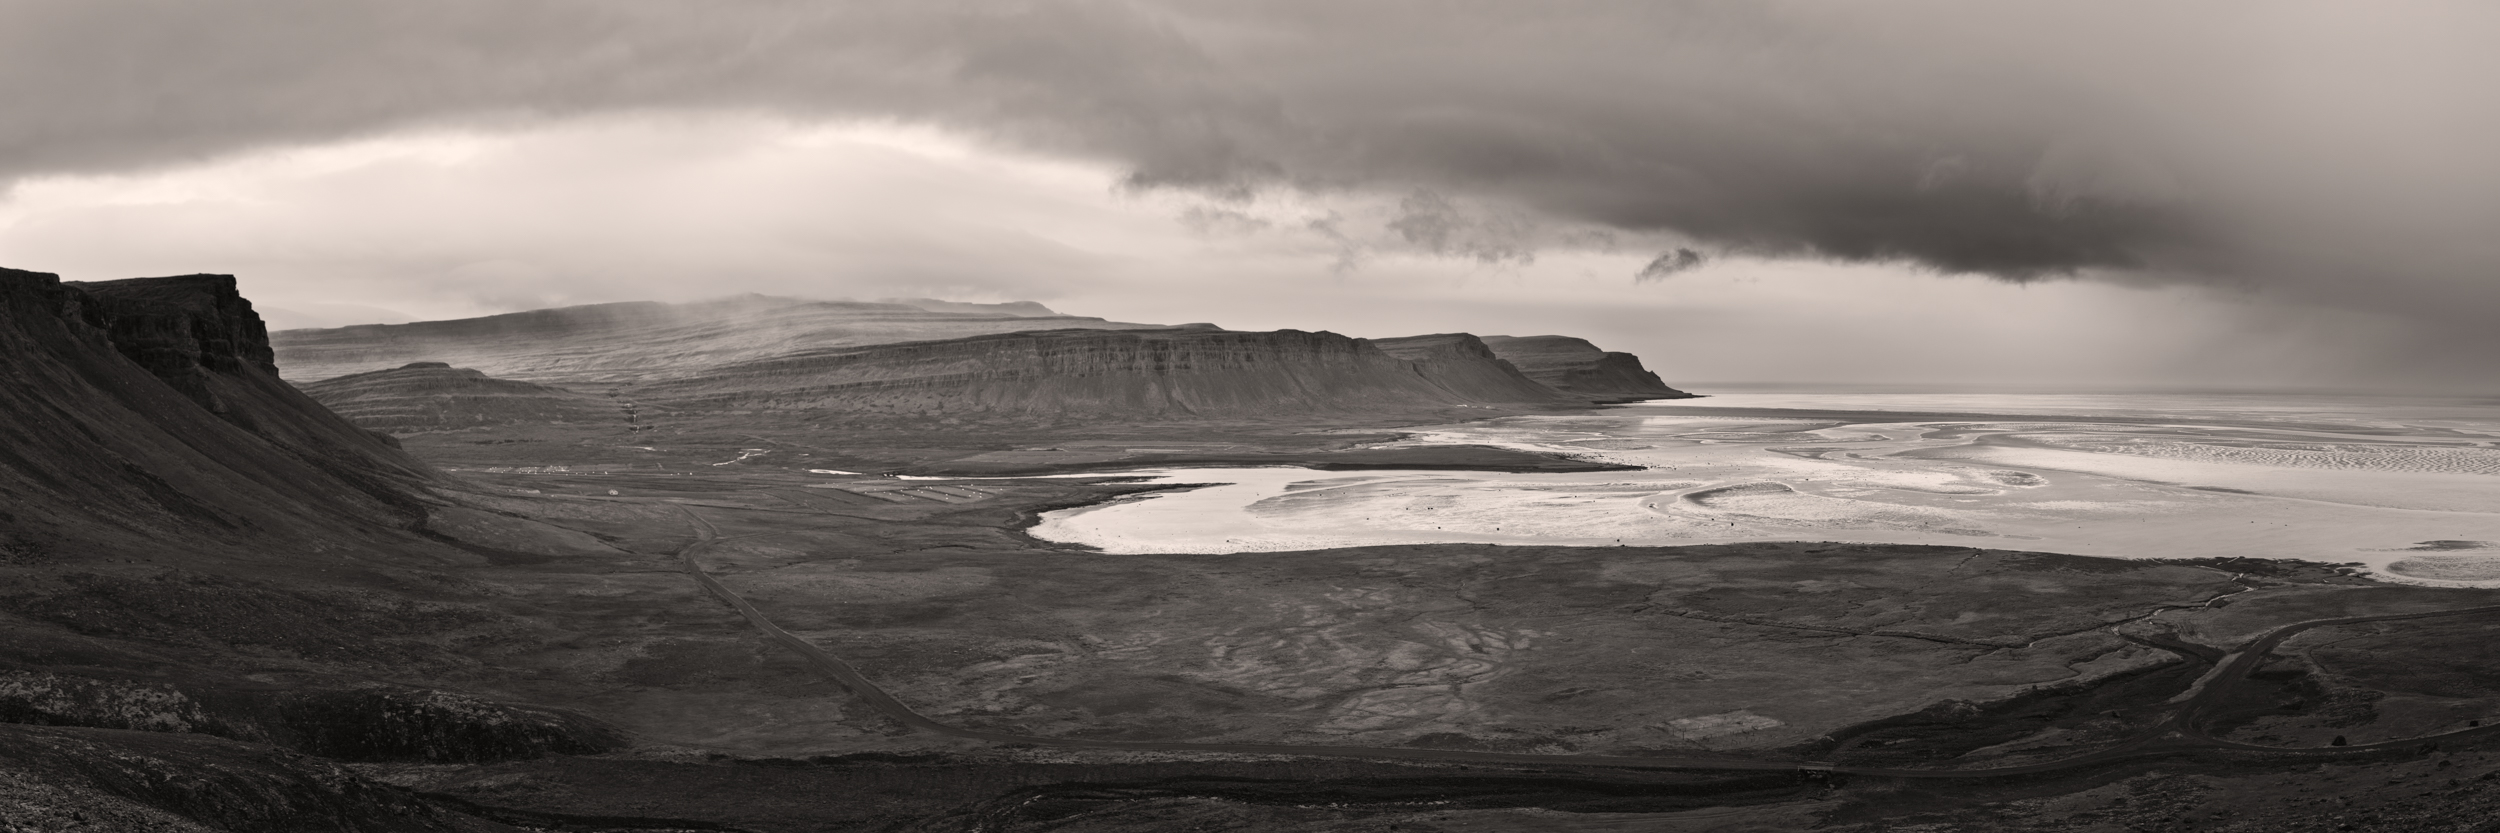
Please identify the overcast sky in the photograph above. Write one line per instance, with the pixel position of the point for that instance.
(2275, 194)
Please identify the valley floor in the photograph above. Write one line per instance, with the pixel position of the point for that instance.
(1008, 683)
(1800, 684)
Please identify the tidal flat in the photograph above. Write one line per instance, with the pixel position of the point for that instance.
(2408, 488)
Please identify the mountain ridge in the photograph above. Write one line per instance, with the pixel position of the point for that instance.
(635, 340)
(908, 357)
(1575, 366)
(158, 394)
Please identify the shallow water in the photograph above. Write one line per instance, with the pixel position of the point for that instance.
(2409, 487)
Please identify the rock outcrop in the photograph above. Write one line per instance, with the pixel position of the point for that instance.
(150, 408)
(1148, 373)
(58, 778)
(434, 396)
(179, 328)
(1462, 363)
(360, 724)
(1577, 367)
(170, 512)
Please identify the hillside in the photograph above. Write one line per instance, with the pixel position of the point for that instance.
(433, 396)
(149, 409)
(628, 342)
(212, 588)
(1137, 373)
(1577, 367)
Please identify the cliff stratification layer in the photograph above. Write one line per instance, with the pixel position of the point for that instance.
(1463, 363)
(584, 347)
(1137, 373)
(1577, 367)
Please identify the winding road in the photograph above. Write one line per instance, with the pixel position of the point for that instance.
(2182, 731)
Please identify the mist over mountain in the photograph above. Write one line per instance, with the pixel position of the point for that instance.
(1118, 375)
(1956, 415)
(635, 340)
(903, 358)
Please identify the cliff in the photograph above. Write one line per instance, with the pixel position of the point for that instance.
(1577, 367)
(604, 344)
(433, 396)
(203, 572)
(150, 408)
(1462, 363)
(1136, 373)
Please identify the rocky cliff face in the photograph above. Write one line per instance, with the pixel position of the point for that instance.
(170, 512)
(433, 396)
(1462, 362)
(179, 328)
(150, 408)
(1577, 367)
(1159, 374)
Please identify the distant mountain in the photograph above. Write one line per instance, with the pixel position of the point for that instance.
(637, 341)
(433, 396)
(914, 356)
(1020, 309)
(1134, 373)
(1462, 362)
(1577, 367)
(149, 409)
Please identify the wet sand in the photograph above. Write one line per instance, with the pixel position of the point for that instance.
(2350, 486)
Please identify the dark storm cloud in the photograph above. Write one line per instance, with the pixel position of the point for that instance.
(1670, 264)
(2008, 139)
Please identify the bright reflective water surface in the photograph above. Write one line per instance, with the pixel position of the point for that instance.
(2409, 487)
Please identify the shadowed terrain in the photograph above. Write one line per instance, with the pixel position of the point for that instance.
(227, 608)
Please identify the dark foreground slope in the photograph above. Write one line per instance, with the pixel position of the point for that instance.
(1577, 367)
(433, 396)
(685, 618)
(205, 575)
(625, 342)
(150, 410)
(1148, 374)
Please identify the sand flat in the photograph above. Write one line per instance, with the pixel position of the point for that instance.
(2218, 483)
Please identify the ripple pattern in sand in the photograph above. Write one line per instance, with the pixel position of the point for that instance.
(2345, 456)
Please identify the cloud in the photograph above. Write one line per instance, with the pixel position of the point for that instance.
(1434, 224)
(1669, 264)
(2333, 153)
(1212, 220)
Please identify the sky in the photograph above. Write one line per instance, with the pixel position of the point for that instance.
(2043, 195)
